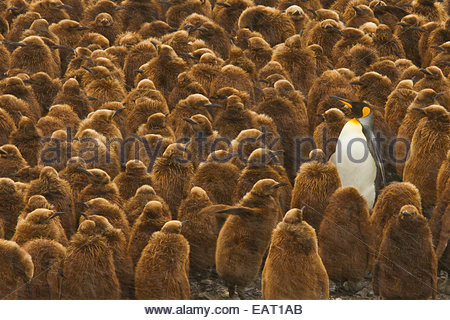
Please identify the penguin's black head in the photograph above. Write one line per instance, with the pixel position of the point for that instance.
(359, 109)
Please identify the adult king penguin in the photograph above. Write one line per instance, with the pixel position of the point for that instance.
(357, 157)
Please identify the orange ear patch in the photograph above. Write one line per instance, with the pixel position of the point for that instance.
(366, 111)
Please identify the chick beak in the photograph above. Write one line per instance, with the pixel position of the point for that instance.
(85, 171)
(88, 69)
(56, 214)
(2, 152)
(357, 10)
(406, 214)
(82, 204)
(213, 105)
(402, 24)
(336, 30)
(64, 6)
(279, 185)
(184, 222)
(425, 71)
(84, 215)
(437, 48)
(356, 83)
(82, 28)
(190, 121)
(117, 112)
(223, 4)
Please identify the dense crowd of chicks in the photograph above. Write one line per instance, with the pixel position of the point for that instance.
(144, 141)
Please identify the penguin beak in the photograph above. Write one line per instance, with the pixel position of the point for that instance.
(83, 204)
(165, 2)
(419, 109)
(84, 215)
(189, 120)
(56, 214)
(356, 83)
(202, 29)
(213, 105)
(14, 175)
(336, 30)
(438, 95)
(81, 28)
(312, 11)
(117, 112)
(87, 69)
(64, 6)
(402, 24)
(425, 71)
(264, 135)
(2, 152)
(279, 185)
(119, 8)
(276, 153)
(184, 222)
(406, 214)
(187, 55)
(417, 29)
(303, 208)
(264, 81)
(344, 101)
(15, 44)
(223, 4)
(321, 116)
(437, 48)
(12, 9)
(358, 10)
(139, 71)
(85, 171)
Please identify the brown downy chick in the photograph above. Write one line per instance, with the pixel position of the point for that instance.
(138, 55)
(361, 15)
(48, 258)
(316, 181)
(293, 53)
(262, 164)
(429, 146)
(19, 25)
(178, 11)
(144, 89)
(16, 8)
(27, 138)
(215, 37)
(387, 44)
(391, 199)
(346, 226)
(163, 69)
(185, 86)
(134, 176)
(259, 51)
(172, 173)
(72, 95)
(245, 236)
(102, 121)
(12, 197)
(35, 202)
(116, 239)
(89, 271)
(34, 56)
(41, 223)
(406, 266)
(55, 151)
(105, 25)
(155, 29)
(17, 269)
(397, 103)
(442, 58)
(294, 242)
(298, 17)
(11, 160)
(7, 126)
(430, 10)
(408, 31)
(387, 68)
(148, 148)
(202, 244)
(103, 86)
(57, 192)
(134, 206)
(234, 118)
(100, 186)
(153, 217)
(326, 134)
(204, 139)
(234, 77)
(156, 124)
(66, 114)
(326, 33)
(359, 60)
(227, 13)
(16, 87)
(238, 59)
(52, 10)
(409, 124)
(137, 12)
(374, 88)
(218, 177)
(323, 63)
(45, 89)
(434, 79)
(274, 26)
(192, 105)
(206, 70)
(163, 269)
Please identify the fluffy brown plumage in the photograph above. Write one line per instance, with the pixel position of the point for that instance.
(406, 266)
(294, 244)
(162, 271)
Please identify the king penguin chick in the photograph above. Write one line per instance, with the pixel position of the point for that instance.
(346, 227)
(218, 177)
(134, 176)
(57, 192)
(316, 181)
(89, 271)
(245, 236)
(152, 219)
(14, 203)
(17, 269)
(406, 266)
(429, 147)
(163, 269)
(294, 269)
(27, 138)
(11, 160)
(172, 173)
(397, 103)
(359, 165)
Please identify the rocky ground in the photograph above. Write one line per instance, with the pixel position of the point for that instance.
(213, 288)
